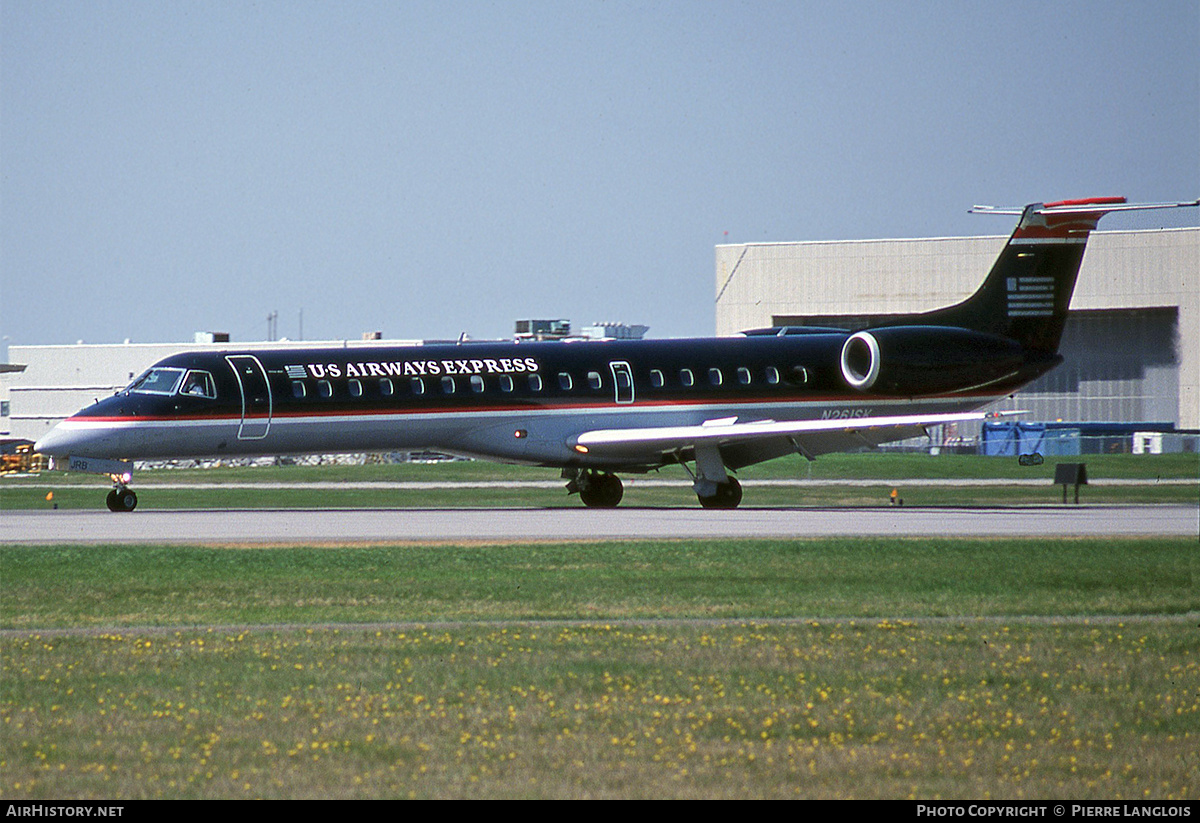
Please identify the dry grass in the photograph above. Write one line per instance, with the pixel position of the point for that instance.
(553, 673)
(1002, 709)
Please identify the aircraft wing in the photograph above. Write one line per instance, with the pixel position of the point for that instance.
(745, 443)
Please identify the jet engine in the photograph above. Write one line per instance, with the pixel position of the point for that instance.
(914, 360)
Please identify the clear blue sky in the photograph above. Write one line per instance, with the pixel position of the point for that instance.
(426, 169)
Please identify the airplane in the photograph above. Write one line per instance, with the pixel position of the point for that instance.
(595, 408)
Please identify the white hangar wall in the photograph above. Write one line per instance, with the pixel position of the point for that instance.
(1132, 343)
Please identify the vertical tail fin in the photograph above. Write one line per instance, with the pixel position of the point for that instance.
(1028, 291)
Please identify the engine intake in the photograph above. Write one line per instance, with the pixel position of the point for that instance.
(860, 360)
(915, 360)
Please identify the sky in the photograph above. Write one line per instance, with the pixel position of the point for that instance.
(426, 169)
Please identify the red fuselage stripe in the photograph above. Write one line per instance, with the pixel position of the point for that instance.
(532, 408)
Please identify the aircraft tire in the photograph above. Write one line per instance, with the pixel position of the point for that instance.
(604, 491)
(728, 496)
(123, 500)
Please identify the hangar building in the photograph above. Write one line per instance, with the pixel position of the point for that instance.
(1131, 343)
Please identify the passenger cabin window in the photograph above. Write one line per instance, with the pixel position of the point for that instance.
(324, 388)
(418, 385)
(506, 383)
(356, 388)
(685, 377)
(385, 387)
(743, 374)
(772, 375)
(298, 390)
(714, 377)
(199, 384)
(797, 376)
(448, 386)
(594, 380)
(564, 381)
(476, 383)
(656, 378)
(535, 382)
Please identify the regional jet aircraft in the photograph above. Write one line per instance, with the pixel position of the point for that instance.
(593, 409)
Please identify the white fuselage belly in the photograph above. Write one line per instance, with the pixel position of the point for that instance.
(483, 433)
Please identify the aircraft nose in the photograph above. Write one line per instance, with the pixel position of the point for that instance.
(76, 437)
(56, 442)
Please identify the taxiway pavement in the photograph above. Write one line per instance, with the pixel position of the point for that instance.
(223, 526)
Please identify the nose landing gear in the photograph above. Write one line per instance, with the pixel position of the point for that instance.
(120, 472)
(121, 499)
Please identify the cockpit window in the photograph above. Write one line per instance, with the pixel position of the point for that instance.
(199, 384)
(157, 381)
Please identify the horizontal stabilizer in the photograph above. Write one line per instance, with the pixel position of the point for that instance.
(1096, 205)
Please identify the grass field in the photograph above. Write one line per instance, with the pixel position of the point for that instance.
(1141, 477)
(853, 466)
(825, 668)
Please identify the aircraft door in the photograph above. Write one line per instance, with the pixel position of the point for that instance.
(256, 396)
(622, 381)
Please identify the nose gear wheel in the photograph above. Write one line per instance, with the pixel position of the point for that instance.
(121, 500)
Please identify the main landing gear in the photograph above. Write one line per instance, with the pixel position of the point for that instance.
(726, 496)
(714, 488)
(598, 490)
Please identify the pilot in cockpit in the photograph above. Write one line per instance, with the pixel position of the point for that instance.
(196, 384)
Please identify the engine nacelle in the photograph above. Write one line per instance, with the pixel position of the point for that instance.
(915, 360)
